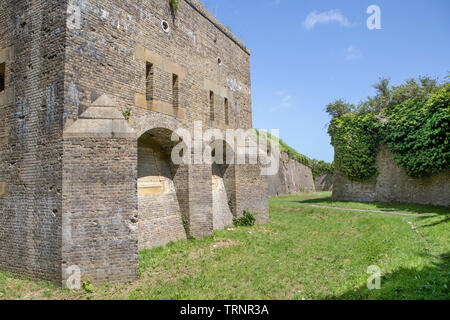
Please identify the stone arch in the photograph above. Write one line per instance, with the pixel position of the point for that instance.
(160, 199)
(223, 185)
(163, 123)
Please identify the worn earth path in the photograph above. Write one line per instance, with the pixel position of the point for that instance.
(373, 211)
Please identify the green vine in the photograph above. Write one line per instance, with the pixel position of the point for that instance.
(413, 120)
(418, 133)
(355, 139)
(175, 5)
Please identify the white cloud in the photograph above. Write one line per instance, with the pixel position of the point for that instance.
(285, 101)
(326, 17)
(352, 53)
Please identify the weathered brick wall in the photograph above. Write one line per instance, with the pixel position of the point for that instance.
(69, 160)
(32, 46)
(293, 177)
(100, 231)
(394, 185)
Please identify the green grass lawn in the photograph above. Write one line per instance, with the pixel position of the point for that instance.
(304, 253)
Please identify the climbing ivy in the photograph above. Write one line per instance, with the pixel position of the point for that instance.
(355, 138)
(418, 133)
(414, 125)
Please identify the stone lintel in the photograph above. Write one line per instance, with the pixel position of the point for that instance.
(159, 106)
(99, 128)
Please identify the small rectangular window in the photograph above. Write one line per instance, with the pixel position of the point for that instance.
(149, 81)
(175, 90)
(227, 120)
(211, 106)
(2, 76)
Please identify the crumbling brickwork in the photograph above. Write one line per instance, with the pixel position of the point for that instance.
(93, 91)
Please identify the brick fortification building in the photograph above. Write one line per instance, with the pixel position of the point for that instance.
(90, 93)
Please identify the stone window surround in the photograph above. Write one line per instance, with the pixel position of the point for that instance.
(7, 95)
(6, 99)
(147, 56)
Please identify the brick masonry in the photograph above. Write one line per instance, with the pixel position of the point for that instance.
(324, 182)
(293, 177)
(82, 186)
(394, 185)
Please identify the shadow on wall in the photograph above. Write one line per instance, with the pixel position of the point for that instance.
(430, 283)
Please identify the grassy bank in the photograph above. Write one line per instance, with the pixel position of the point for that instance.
(304, 253)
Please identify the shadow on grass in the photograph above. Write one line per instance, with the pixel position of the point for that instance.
(403, 207)
(430, 283)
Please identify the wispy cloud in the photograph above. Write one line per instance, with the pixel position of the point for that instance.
(352, 53)
(326, 17)
(284, 102)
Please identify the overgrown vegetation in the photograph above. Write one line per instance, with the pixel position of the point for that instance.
(321, 167)
(247, 220)
(126, 114)
(355, 139)
(318, 167)
(412, 119)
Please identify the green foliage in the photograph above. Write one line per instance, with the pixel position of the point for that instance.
(339, 107)
(321, 167)
(174, 4)
(126, 114)
(284, 147)
(355, 138)
(413, 89)
(88, 287)
(412, 119)
(418, 133)
(247, 220)
(318, 167)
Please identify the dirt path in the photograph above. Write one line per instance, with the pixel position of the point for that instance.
(373, 211)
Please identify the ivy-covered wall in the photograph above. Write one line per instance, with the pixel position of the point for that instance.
(412, 122)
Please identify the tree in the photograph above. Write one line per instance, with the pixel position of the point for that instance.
(339, 108)
(383, 96)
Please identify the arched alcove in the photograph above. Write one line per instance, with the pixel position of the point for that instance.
(159, 209)
(223, 185)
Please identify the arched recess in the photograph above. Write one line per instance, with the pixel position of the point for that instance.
(223, 184)
(161, 186)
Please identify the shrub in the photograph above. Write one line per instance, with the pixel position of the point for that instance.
(247, 220)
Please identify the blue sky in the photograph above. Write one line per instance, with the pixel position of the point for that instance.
(298, 65)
